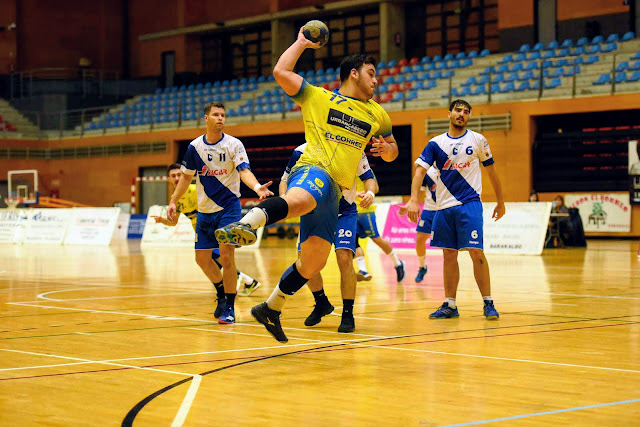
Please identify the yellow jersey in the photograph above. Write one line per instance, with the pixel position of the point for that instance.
(337, 129)
(188, 204)
(359, 188)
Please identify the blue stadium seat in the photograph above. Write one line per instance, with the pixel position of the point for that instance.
(495, 88)
(487, 70)
(538, 46)
(531, 66)
(582, 41)
(429, 67)
(610, 47)
(470, 81)
(534, 55)
(562, 63)
(527, 75)
(629, 35)
(437, 58)
(553, 83)
(412, 95)
(621, 77)
(453, 64)
(199, 86)
(507, 58)
(511, 77)
(634, 77)
(596, 48)
(473, 54)
(479, 90)
(397, 96)
(461, 55)
(437, 75)
(425, 60)
(612, 38)
(563, 52)
(553, 44)
(262, 79)
(441, 65)
(517, 67)
(233, 82)
(535, 85)
(392, 63)
(634, 66)
(622, 66)
(466, 63)
(525, 48)
(497, 78)
(524, 85)
(485, 52)
(504, 68)
(483, 80)
(520, 57)
(597, 40)
(448, 57)
(567, 43)
(578, 51)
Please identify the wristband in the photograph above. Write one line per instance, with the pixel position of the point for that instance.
(373, 196)
(257, 187)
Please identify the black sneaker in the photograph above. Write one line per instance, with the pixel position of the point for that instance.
(347, 324)
(270, 319)
(236, 233)
(222, 302)
(319, 311)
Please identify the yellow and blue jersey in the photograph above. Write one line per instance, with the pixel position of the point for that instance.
(188, 204)
(337, 130)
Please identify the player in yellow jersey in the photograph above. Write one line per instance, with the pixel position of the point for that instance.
(188, 205)
(338, 127)
(367, 228)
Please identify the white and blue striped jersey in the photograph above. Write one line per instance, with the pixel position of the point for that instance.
(429, 187)
(216, 166)
(458, 161)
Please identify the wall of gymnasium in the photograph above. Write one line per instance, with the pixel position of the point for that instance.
(516, 20)
(105, 180)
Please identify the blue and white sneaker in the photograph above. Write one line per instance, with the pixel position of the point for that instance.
(445, 312)
(363, 275)
(228, 316)
(236, 233)
(421, 273)
(222, 302)
(400, 271)
(490, 311)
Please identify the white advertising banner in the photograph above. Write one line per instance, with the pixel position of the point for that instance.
(603, 212)
(156, 234)
(521, 230)
(122, 227)
(47, 225)
(92, 226)
(13, 222)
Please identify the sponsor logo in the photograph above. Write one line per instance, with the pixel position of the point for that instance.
(345, 121)
(205, 171)
(314, 187)
(473, 242)
(343, 140)
(319, 182)
(450, 165)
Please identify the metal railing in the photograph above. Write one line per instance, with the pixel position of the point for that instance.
(85, 81)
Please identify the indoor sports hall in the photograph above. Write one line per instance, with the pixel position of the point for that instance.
(106, 317)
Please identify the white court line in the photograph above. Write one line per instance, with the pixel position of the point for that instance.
(181, 416)
(245, 333)
(44, 296)
(539, 362)
(97, 362)
(361, 317)
(574, 295)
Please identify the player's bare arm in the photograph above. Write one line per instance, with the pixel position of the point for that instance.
(283, 71)
(385, 148)
(181, 188)
(250, 180)
(370, 190)
(413, 208)
(165, 221)
(499, 210)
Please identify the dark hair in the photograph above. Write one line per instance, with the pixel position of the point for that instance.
(559, 197)
(173, 166)
(210, 105)
(354, 61)
(457, 102)
(533, 193)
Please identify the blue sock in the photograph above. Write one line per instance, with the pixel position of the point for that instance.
(291, 281)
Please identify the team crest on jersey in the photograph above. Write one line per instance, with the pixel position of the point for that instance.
(345, 121)
(319, 182)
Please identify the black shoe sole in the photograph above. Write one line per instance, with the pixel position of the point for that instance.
(347, 328)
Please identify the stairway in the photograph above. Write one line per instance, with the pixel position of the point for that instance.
(26, 129)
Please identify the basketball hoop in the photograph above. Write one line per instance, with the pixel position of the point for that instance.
(12, 203)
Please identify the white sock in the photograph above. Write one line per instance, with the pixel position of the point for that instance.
(362, 265)
(487, 299)
(256, 218)
(451, 301)
(394, 257)
(277, 299)
(246, 280)
(421, 261)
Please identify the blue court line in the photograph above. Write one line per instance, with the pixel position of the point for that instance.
(535, 414)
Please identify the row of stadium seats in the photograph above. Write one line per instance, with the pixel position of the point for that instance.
(534, 65)
(620, 77)
(583, 41)
(483, 89)
(548, 54)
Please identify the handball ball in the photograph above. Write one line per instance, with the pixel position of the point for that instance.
(316, 31)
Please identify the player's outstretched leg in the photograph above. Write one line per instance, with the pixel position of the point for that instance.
(236, 233)
(270, 319)
(243, 232)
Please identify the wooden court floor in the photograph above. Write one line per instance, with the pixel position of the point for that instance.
(125, 336)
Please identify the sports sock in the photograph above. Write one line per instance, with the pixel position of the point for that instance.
(231, 299)
(421, 261)
(291, 280)
(267, 212)
(362, 265)
(320, 296)
(219, 289)
(487, 299)
(451, 302)
(246, 280)
(394, 257)
(347, 307)
(277, 299)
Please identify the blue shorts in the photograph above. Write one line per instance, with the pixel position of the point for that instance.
(426, 220)
(347, 225)
(367, 225)
(208, 223)
(458, 227)
(321, 221)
